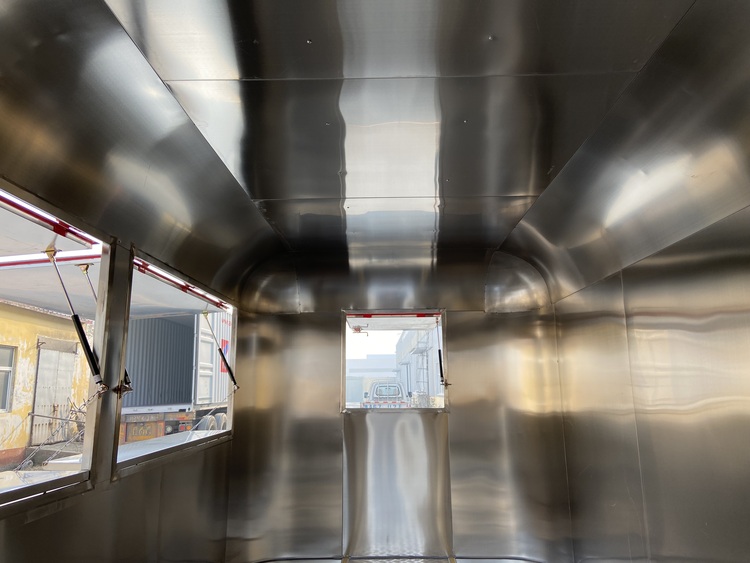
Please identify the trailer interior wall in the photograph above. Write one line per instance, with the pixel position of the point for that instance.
(653, 363)
(173, 512)
(604, 419)
(485, 480)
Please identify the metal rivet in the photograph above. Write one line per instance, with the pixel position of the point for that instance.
(309, 41)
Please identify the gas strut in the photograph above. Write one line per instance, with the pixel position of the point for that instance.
(126, 386)
(221, 352)
(88, 352)
(443, 382)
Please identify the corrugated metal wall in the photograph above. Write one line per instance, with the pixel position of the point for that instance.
(159, 360)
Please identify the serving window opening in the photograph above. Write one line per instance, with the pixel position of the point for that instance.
(50, 378)
(394, 361)
(178, 357)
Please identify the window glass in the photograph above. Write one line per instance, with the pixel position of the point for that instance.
(46, 384)
(393, 361)
(6, 372)
(181, 388)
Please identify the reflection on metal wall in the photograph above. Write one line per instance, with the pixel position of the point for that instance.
(175, 512)
(508, 482)
(666, 341)
(688, 329)
(513, 285)
(396, 483)
(322, 284)
(286, 473)
(600, 433)
(669, 159)
(89, 127)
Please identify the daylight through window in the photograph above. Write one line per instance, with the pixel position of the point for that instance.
(49, 274)
(394, 361)
(181, 384)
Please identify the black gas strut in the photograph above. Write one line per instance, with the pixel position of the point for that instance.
(440, 356)
(221, 352)
(126, 386)
(91, 358)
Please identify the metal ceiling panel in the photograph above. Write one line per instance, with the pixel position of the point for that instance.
(513, 135)
(90, 128)
(669, 160)
(283, 39)
(399, 138)
(280, 139)
(479, 221)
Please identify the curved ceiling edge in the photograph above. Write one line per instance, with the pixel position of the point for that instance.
(296, 283)
(273, 287)
(513, 285)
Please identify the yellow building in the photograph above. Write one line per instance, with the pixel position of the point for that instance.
(42, 372)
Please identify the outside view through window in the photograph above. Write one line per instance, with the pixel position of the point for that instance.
(46, 385)
(181, 384)
(393, 361)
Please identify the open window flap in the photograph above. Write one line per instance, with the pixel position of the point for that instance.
(154, 298)
(370, 322)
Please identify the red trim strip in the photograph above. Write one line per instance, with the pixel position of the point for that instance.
(371, 315)
(146, 268)
(57, 225)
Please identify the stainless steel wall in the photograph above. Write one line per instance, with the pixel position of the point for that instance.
(688, 316)
(486, 479)
(174, 512)
(606, 494)
(653, 366)
(396, 485)
(508, 483)
(286, 477)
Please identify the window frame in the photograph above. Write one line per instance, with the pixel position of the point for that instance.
(61, 490)
(8, 394)
(147, 265)
(437, 312)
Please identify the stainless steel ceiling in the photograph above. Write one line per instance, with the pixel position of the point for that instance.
(381, 135)
(388, 133)
(669, 160)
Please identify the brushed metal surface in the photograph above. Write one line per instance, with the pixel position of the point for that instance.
(315, 283)
(175, 512)
(110, 335)
(667, 161)
(508, 480)
(272, 39)
(396, 485)
(301, 139)
(285, 496)
(89, 127)
(688, 328)
(513, 286)
(601, 439)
